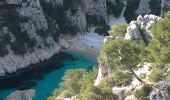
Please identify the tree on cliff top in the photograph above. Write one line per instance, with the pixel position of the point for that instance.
(121, 54)
(160, 46)
(118, 30)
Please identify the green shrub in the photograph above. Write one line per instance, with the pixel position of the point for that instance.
(102, 30)
(107, 81)
(94, 21)
(141, 94)
(117, 79)
(118, 30)
(155, 75)
(121, 78)
(51, 98)
(168, 76)
(67, 94)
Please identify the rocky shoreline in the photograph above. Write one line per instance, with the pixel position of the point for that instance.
(11, 63)
(25, 74)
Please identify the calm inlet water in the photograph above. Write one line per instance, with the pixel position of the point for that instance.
(44, 77)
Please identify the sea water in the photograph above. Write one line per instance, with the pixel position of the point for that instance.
(46, 81)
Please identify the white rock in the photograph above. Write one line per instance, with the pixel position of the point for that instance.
(100, 75)
(11, 63)
(132, 32)
(107, 38)
(143, 23)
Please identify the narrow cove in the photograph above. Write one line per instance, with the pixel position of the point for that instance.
(44, 77)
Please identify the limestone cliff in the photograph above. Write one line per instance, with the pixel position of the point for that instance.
(30, 29)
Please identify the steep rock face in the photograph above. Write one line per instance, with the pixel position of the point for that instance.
(165, 5)
(22, 43)
(32, 9)
(78, 19)
(96, 7)
(30, 29)
(143, 7)
(151, 6)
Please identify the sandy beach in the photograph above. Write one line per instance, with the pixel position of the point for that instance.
(89, 44)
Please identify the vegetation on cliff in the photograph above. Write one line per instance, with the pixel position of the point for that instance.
(120, 58)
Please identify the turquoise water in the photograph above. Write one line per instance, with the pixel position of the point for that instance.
(51, 80)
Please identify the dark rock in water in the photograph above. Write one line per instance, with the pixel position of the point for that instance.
(22, 95)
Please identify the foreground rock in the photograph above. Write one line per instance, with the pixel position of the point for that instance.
(161, 91)
(22, 95)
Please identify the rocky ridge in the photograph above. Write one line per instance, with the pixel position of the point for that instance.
(159, 91)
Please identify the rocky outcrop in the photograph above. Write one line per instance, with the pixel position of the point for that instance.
(21, 95)
(160, 91)
(165, 5)
(140, 29)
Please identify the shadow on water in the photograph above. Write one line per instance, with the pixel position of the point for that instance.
(25, 78)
